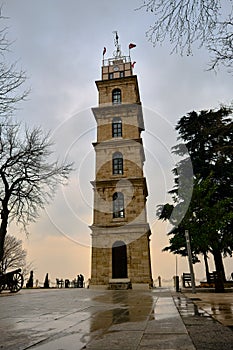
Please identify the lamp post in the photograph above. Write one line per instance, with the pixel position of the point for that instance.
(177, 277)
(190, 261)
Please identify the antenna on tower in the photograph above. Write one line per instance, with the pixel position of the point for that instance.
(117, 52)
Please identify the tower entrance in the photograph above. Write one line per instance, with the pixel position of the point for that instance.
(119, 260)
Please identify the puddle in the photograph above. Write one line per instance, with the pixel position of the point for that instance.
(187, 308)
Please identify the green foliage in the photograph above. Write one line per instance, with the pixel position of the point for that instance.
(208, 137)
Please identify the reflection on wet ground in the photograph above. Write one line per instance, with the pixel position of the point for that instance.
(88, 319)
(186, 307)
(91, 319)
(205, 332)
(140, 320)
(218, 305)
(130, 308)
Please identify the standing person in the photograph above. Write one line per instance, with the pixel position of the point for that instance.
(78, 281)
(81, 280)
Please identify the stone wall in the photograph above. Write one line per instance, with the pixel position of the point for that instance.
(138, 261)
(127, 85)
(134, 200)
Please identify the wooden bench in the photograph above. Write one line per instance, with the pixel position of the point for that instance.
(60, 283)
(212, 280)
(186, 279)
(212, 277)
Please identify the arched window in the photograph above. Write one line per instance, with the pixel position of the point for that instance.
(118, 205)
(117, 163)
(116, 96)
(116, 127)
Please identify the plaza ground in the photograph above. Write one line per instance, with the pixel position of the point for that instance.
(78, 318)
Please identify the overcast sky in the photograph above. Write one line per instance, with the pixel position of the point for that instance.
(59, 44)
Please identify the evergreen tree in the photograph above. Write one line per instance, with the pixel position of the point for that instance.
(208, 138)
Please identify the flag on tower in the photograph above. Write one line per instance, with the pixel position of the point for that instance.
(131, 46)
(104, 51)
(133, 64)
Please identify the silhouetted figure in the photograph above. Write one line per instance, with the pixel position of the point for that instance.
(159, 279)
(78, 281)
(67, 283)
(46, 281)
(29, 283)
(81, 280)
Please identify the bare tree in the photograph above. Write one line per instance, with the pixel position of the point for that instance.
(208, 23)
(14, 255)
(221, 45)
(28, 176)
(11, 79)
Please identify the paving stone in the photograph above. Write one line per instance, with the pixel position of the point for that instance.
(127, 340)
(166, 341)
(133, 320)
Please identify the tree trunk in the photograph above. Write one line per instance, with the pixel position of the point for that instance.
(206, 267)
(220, 272)
(219, 263)
(3, 230)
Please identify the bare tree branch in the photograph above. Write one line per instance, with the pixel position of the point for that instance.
(186, 22)
(28, 175)
(14, 255)
(11, 79)
(221, 47)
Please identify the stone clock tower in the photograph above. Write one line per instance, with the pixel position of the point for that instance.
(120, 231)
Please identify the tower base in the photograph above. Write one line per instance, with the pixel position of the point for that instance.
(121, 284)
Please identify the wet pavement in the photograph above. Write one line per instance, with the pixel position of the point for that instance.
(61, 319)
(218, 305)
(199, 312)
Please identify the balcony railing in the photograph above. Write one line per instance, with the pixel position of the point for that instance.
(113, 61)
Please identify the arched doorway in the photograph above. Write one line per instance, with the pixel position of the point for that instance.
(119, 260)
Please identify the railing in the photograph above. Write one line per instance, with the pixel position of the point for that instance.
(113, 61)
